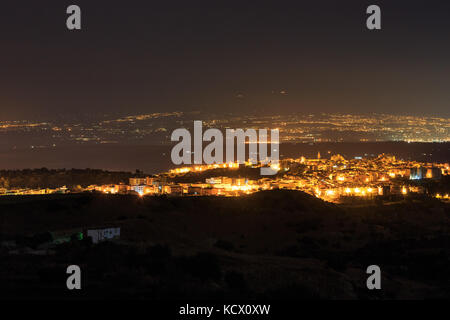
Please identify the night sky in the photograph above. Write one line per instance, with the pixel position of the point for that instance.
(238, 56)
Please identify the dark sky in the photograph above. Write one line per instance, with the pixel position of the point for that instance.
(153, 56)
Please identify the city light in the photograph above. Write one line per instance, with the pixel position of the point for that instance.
(334, 180)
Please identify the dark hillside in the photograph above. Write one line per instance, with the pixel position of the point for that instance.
(268, 244)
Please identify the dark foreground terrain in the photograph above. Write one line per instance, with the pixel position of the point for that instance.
(275, 245)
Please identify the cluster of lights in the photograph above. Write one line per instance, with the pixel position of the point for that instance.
(359, 191)
(199, 168)
(109, 190)
(245, 188)
(355, 183)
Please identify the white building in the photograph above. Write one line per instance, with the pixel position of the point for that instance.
(99, 235)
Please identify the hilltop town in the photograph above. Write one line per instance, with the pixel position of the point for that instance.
(333, 179)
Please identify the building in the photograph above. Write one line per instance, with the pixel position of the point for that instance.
(214, 180)
(121, 188)
(104, 234)
(138, 181)
(240, 181)
(150, 189)
(418, 173)
(434, 173)
(226, 180)
(138, 188)
(175, 190)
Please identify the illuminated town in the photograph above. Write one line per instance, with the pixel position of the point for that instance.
(336, 179)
